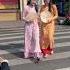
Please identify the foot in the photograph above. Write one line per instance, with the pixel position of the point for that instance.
(26, 57)
(52, 52)
(37, 60)
(45, 56)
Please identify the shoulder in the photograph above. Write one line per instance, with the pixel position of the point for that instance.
(26, 7)
(54, 6)
(42, 6)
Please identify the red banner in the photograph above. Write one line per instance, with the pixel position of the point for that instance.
(9, 2)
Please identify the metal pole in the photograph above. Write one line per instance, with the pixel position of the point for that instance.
(21, 8)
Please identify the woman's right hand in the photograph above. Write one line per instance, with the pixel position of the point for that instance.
(28, 21)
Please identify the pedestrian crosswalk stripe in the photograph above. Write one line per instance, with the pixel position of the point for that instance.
(8, 51)
(68, 68)
(12, 42)
(19, 61)
(13, 37)
(64, 44)
(59, 30)
(62, 32)
(22, 28)
(62, 37)
(11, 31)
(17, 28)
(22, 32)
(61, 55)
(1, 35)
(22, 36)
(22, 41)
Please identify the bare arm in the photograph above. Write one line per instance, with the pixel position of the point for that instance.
(24, 14)
(55, 12)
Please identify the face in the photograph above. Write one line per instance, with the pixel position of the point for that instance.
(33, 1)
(46, 1)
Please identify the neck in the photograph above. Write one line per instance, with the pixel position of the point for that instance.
(32, 5)
(46, 4)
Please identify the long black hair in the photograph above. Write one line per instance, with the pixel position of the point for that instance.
(28, 2)
(36, 6)
(50, 5)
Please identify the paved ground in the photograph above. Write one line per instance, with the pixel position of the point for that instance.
(12, 43)
(11, 24)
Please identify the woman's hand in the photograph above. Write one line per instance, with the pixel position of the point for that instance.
(28, 21)
(50, 20)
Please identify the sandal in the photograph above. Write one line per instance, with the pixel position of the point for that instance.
(37, 60)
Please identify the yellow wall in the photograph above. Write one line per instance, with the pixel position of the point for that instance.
(8, 16)
(12, 16)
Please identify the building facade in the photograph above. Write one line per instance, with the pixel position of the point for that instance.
(12, 9)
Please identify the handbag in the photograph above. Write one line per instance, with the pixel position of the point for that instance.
(31, 16)
(45, 16)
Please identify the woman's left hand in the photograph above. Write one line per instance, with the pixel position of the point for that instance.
(50, 20)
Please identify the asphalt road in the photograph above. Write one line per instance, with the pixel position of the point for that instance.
(12, 44)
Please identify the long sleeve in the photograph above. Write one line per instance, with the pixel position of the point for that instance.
(24, 13)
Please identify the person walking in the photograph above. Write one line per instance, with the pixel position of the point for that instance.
(48, 14)
(32, 46)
